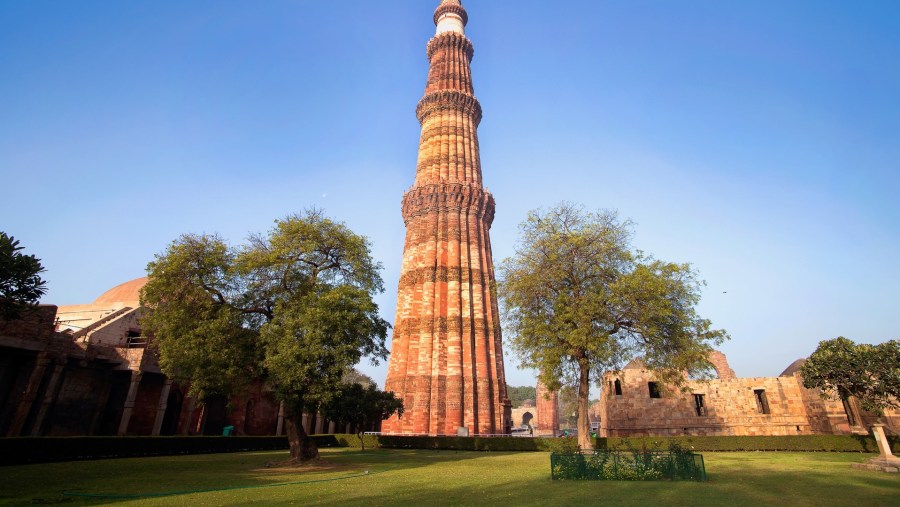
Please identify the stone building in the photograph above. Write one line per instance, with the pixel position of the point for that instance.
(633, 403)
(447, 359)
(541, 415)
(547, 405)
(87, 370)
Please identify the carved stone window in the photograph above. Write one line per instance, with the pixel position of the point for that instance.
(654, 389)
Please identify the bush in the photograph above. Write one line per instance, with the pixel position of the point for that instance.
(478, 443)
(803, 443)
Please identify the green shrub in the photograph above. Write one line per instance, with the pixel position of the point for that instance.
(629, 465)
(827, 443)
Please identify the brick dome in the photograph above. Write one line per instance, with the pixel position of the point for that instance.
(128, 293)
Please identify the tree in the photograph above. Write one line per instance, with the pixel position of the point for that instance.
(293, 307)
(518, 394)
(579, 301)
(354, 376)
(362, 406)
(21, 285)
(843, 369)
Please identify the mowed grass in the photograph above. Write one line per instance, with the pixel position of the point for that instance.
(419, 477)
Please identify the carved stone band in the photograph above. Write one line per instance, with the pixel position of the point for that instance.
(448, 100)
(446, 198)
(450, 40)
(446, 8)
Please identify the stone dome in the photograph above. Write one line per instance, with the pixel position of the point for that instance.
(128, 293)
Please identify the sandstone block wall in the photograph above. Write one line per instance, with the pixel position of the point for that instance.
(730, 406)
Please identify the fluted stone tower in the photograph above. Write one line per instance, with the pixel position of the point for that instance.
(446, 360)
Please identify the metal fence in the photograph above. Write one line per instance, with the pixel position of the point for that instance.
(628, 466)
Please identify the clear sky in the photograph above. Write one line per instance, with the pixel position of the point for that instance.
(759, 141)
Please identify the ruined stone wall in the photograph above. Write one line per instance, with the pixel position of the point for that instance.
(115, 333)
(78, 402)
(724, 406)
(730, 407)
(31, 331)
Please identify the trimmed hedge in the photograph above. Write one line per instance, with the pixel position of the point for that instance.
(18, 451)
(803, 443)
(479, 443)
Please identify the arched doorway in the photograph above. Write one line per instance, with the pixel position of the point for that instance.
(216, 415)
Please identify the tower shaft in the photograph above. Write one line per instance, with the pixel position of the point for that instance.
(447, 359)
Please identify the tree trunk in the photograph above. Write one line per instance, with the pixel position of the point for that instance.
(302, 447)
(584, 395)
(361, 443)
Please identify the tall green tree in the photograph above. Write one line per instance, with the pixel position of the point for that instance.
(578, 300)
(21, 285)
(841, 368)
(293, 307)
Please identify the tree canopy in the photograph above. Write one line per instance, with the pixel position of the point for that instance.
(518, 394)
(21, 285)
(841, 368)
(578, 300)
(293, 307)
(361, 406)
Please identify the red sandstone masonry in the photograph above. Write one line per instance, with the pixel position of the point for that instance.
(447, 359)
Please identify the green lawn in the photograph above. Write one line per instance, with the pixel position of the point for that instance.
(417, 477)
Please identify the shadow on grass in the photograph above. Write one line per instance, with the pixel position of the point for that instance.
(168, 478)
(435, 477)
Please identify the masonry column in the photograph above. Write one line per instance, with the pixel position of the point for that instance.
(49, 397)
(161, 407)
(320, 424)
(129, 401)
(279, 427)
(29, 395)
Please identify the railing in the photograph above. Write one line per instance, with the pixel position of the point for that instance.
(628, 466)
(136, 342)
(378, 433)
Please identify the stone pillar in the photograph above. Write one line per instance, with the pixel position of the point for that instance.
(129, 402)
(29, 395)
(306, 422)
(161, 407)
(49, 398)
(884, 447)
(320, 424)
(187, 416)
(279, 427)
(102, 402)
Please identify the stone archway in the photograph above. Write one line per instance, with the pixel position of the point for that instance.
(527, 417)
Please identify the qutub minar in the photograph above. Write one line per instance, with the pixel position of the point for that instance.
(447, 358)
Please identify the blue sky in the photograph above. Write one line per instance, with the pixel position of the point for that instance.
(756, 140)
